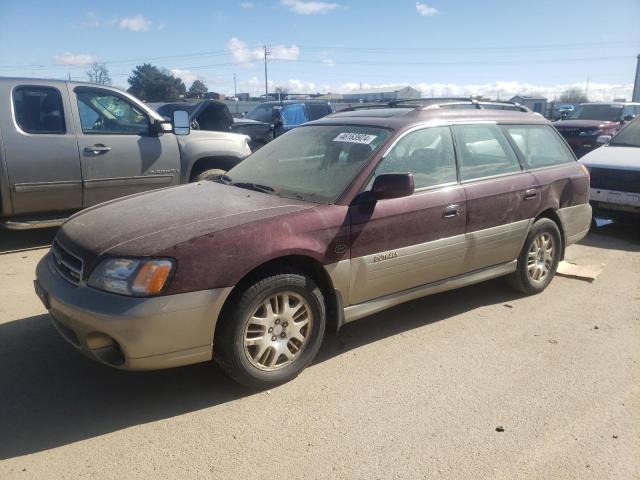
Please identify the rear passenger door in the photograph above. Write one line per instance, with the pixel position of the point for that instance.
(118, 152)
(40, 149)
(406, 242)
(501, 197)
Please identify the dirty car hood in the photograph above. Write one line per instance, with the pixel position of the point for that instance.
(148, 223)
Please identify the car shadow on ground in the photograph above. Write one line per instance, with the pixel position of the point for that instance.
(614, 236)
(24, 240)
(50, 395)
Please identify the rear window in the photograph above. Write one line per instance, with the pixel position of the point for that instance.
(39, 109)
(539, 145)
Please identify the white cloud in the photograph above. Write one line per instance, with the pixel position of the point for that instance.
(425, 10)
(503, 89)
(91, 20)
(79, 59)
(247, 5)
(242, 53)
(309, 8)
(137, 23)
(161, 26)
(187, 76)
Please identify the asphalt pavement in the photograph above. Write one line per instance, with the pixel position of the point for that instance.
(478, 383)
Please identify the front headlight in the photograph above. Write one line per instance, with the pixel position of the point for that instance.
(133, 277)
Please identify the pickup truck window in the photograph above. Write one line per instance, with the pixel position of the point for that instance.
(39, 109)
(102, 112)
(540, 145)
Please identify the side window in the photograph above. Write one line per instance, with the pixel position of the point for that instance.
(294, 115)
(102, 112)
(427, 153)
(484, 152)
(317, 110)
(628, 110)
(39, 109)
(539, 144)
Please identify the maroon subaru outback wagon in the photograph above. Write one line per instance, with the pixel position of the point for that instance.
(331, 222)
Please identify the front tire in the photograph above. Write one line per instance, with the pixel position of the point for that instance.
(273, 330)
(539, 258)
(211, 174)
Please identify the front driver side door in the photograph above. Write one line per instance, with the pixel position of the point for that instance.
(401, 243)
(118, 153)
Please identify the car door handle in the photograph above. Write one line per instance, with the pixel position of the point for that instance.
(451, 211)
(97, 149)
(530, 194)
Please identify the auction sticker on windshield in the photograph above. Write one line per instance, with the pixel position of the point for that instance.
(363, 138)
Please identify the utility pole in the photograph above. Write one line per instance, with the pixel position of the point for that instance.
(636, 84)
(266, 81)
(235, 91)
(586, 89)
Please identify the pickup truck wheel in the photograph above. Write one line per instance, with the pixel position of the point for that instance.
(211, 174)
(273, 331)
(538, 260)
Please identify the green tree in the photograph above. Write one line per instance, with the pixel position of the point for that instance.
(197, 89)
(573, 95)
(98, 73)
(153, 84)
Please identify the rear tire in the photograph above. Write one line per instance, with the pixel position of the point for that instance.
(272, 331)
(211, 174)
(539, 258)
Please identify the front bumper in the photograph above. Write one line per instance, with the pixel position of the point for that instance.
(128, 332)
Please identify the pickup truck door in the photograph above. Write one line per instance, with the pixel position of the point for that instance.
(40, 149)
(119, 153)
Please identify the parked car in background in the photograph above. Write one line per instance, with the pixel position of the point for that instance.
(289, 114)
(338, 219)
(615, 175)
(588, 121)
(214, 115)
(65, 146)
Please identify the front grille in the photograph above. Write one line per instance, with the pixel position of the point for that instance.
(618, 180)
(570, 131)
(67, 264)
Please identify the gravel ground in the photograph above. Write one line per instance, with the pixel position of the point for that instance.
(418, 391)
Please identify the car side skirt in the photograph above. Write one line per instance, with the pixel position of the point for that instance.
(356, 312)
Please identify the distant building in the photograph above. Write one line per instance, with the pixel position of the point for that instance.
(243, 97)
(375, 95)
(537, 104)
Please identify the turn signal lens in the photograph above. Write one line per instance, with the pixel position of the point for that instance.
(586, 171)
(151, 277)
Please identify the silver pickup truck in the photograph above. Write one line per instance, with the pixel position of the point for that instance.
(65, 146)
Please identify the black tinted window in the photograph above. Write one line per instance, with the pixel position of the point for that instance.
(318, 110)
(39, 109)
(540, 145)
(484, 152)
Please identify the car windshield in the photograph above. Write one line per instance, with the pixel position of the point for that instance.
(314, 163)
(262, 113)
(628, 136)
(607, 113)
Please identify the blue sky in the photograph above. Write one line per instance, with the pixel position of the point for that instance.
(444, 47)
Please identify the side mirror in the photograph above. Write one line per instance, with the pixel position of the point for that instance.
(628, 118)
(393, 185)
(603, 139)
(181, 123)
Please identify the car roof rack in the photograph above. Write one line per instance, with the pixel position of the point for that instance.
(440, 102)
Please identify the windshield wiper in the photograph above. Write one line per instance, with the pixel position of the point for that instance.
(254, 186)
(226, 179)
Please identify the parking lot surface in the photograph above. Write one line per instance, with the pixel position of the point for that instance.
(418, 391)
